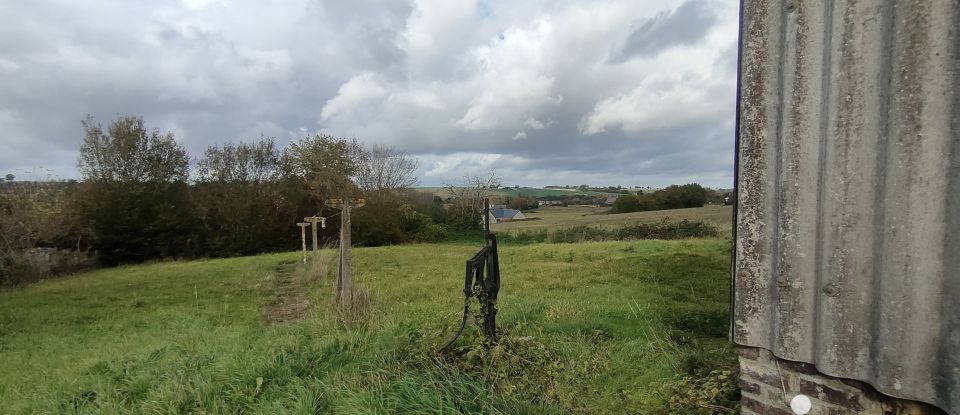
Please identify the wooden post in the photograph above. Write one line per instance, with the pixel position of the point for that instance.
(346, 258)
(486, 217)
(345, 274)
(313, 220)
(303, 239)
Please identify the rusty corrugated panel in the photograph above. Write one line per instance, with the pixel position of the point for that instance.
(848, 220)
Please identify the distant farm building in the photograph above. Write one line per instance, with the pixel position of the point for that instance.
(500, 213)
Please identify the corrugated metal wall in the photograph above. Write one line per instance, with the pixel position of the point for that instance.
(848, 221)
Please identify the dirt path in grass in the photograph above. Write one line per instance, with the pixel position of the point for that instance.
(291, 303)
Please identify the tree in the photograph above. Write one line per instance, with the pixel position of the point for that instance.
(239, 200)
(677, 197)
(324, 164)
(625, 204)
(523, 202)
(386, 169)
(135, 197)
(128, 152)
(467, 196)
(255, 162)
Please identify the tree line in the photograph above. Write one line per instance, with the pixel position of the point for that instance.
(141, 196)
(671, 197)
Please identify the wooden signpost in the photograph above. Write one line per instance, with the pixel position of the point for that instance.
(313, 221)
(345, 277)
(303, 238)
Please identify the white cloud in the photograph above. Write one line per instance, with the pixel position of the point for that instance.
(8, 65)
(515, 79)
(660, 102)
(453, 166)
(534, 124)
(361, 89)
(434, 31)
(470, 84)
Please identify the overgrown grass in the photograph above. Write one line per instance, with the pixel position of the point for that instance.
(607, 327)
(662, 230)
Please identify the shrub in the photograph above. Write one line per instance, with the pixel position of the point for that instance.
(667, 230)
(714, 393)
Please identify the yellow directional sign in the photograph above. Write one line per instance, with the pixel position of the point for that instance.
(339, 202)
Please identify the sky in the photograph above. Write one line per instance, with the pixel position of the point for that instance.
(598, 92)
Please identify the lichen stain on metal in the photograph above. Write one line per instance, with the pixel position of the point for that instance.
(750, 227)
(847, 180)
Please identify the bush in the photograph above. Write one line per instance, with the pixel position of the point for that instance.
(135, 222)
(672, 197)
(625, 204)
(714, 393)
(31, 265)
(667, 230)
(15, 271)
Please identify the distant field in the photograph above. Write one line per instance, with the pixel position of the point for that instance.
(556, 217)
(607, 327)
(527, 191)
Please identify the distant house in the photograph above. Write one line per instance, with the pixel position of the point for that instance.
(611, 199)
(500, 213)
(544, 202)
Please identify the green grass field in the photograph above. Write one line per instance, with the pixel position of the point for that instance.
(525, 191)
(608, 327)
(557, 217)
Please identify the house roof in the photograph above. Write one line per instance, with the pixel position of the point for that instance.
(501, 213)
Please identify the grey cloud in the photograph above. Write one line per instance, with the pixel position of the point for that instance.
(229, 73)
(685, 25)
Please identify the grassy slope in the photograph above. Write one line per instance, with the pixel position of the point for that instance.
(556, 217)
(589, 328)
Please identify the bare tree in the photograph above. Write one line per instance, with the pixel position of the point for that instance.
(473, 188)
(386, 168)
(467, 196)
